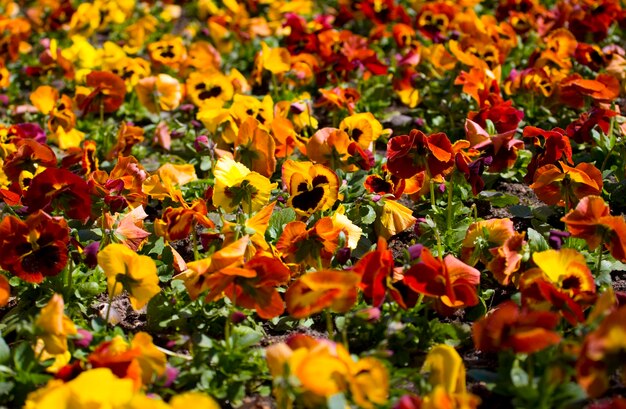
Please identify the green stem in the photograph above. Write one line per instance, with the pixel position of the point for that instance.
(344, 333)
(608, 137)
(439, 246)
(227, 331)
(599, 252)
(329, 325)
(432, 194)
(449, 218)
(194, 241)
(67, 279)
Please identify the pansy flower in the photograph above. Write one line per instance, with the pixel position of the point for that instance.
(580, 129)
(392, 218)
(446, 375)
(127, 137)
(140, 360)
(385, 184)
(591, 220)
(315, 291)
(62, 119)
(410, 154)
(255, 147)
(160, 93)
(198, 274)
(376, 270)
(497, 245)
(59, 189)
(319, 369)
(176, 223)
(363, 128)
(339, 98)
(209, 87)
(123, 186)
(573, 89)
(105, 93)
(169, 51)
(29, 156)
(601, 354)
(129, 229)
(314, 246)
(549, 147)
(252, 285)
(518, 329)
(561, 280)
(127, 270)
(311, 187)
(333, 147)
(502, 148)
(131, 70)
(275, 60)
(236, 185)
(35, 248)
(450, 281)
(566, 187)
(54, 326)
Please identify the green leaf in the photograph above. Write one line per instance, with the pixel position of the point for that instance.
(536, 241)
(244, 337)
(519, 377)
(5, 352)
(277, 222)
(498, 199)
(367, 215)
(521, 211)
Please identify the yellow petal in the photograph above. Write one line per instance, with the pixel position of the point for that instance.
(44, 98)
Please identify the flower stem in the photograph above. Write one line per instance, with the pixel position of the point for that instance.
(227, 331)
(432, 194)
(329, 325)
(449, 218)
(194, 242)
(599, 252)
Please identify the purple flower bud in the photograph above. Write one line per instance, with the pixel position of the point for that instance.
(201, 143)
(416, 227)
(91, 254)
(187, 107)
(376, 198)
(170, 375)
(281, 199)
(196, 124)
(4, 99)
(419, 122)
(371, 314)
(237, 317)
(84, 340)
(442, 187)
(556, 238)
(343, 255)
(415, 251)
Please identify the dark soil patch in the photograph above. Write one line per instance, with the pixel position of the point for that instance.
(129, 319)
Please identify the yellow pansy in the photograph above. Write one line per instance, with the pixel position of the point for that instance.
(55, 326)
(127, 270)
(236, 185)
